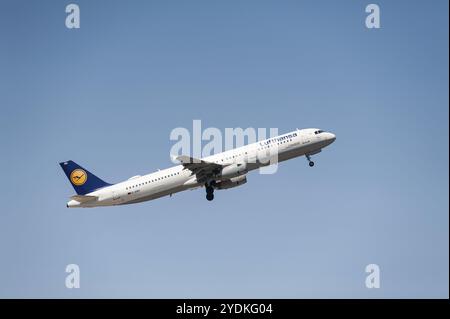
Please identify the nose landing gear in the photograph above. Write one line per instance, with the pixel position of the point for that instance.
(311, 163)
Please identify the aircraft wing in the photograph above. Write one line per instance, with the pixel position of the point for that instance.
(202, 169)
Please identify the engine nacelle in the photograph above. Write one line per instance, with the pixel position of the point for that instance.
(232, 182)
(233, 170)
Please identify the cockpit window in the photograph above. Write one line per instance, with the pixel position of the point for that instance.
(318, 132)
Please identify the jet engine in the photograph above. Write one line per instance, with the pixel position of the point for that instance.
(232, 182)
(233, 170)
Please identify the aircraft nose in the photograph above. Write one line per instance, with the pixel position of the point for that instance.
(329, 138)
(332, 137)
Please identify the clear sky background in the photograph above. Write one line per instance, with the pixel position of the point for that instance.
(108, 95)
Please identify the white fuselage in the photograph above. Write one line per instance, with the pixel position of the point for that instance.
(178, 178)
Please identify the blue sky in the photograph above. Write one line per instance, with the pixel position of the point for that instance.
(108, 95)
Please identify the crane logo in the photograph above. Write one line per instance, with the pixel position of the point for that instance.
(78, 177)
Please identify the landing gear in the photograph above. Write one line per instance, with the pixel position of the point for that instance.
(311, 163)
(209, 192)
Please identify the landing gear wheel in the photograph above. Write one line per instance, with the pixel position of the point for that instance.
(311, 163)
(209, 192)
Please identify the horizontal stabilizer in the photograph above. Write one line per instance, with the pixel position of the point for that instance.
(83, 198)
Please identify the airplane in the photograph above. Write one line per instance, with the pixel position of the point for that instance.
(216, 172)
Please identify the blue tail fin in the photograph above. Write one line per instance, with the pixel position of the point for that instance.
(81, 179)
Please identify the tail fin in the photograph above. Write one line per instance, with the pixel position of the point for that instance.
(81, 179)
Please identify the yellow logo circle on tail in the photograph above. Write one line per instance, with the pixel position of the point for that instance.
(78, 177)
